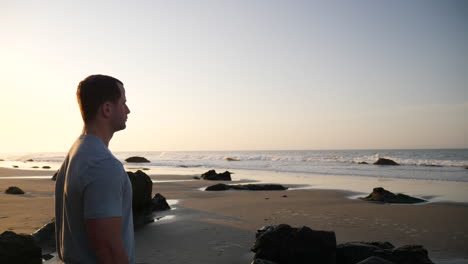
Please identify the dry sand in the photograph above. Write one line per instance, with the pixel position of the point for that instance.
(219, 227)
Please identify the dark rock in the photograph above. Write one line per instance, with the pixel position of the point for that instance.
(382, 161)
(45, 238)
(379, 194)
(159, 203)
(284, 196)
(357, 252)
(29, 160)
(363, 162)
(142, 206)
(54, 177)
(15, 166)
(246, 187)
(410, 254)
(46, 167)
(145, 169)
(213, 176)
(232, 159)
(137, 159)
(353, 252)
(196, 177)
(262, 261)
(287, 245)
(35, 167)
(19, 248)
(218, 187)
(2, 160)
(431, 165)
(14, 190)
(375, 260)
(466, 167)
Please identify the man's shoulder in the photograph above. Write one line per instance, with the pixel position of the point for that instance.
(90, 149)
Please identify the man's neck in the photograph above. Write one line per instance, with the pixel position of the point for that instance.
(104, 134)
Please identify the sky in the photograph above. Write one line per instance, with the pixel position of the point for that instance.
(239, 75)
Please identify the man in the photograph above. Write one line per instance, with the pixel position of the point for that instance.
(93, 195)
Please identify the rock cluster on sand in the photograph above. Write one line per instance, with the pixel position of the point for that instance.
(366, 252)
(382, 161)
(246, 187)
(137, 159)
(14, 190)
(19, 248)
(45, 238)
(283, 244)
(54, 177)
(142, 187)
(232, 159)
(213, 176)
(159, 203)
(379, 194)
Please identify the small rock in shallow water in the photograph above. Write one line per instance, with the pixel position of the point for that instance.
(46, 167)
(246, 187)
(137, 159)
(379, 194)
(14, 190)
(382, 161)
(211, 175)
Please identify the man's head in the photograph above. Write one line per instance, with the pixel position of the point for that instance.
(102, 97)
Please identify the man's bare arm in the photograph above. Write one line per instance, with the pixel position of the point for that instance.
(105, 236)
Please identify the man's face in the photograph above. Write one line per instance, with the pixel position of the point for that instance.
(120, 111)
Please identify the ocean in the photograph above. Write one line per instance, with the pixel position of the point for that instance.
(429, 173)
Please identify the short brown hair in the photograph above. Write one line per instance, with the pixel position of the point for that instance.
(93, 91)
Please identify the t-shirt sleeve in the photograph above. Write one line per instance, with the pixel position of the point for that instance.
(102, 196)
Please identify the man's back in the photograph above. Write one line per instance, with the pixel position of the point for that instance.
(90, 184)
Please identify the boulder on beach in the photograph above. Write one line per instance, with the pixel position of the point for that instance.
(2, 160)
(15, 166)
(142, 186)
(14, 190)
(211, 175)
(137, 159)
(375, 260)
(159, 203)
(29, 160)
(362, 162)
(359, 252)
(35, 167)
(285, 244)
(379, 194)
(466, 167)
(46, 167)
(54, 177)
(354, 252)
(232, 159)
(45, 237)
(246, 187)
(19, 248)
(383, 161)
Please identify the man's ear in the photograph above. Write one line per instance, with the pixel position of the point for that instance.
(106, 109)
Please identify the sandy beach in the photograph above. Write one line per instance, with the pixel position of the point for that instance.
(219, 227)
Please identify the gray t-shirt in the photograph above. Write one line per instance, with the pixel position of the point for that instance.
(91, 183)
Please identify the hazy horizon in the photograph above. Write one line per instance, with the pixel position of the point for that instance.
(240, 75)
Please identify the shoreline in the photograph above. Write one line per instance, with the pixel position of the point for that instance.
(219, 227)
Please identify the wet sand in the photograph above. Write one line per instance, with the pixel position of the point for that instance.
(219, 227)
